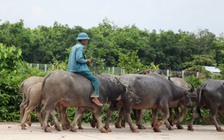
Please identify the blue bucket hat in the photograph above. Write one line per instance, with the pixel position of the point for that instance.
(83, 36)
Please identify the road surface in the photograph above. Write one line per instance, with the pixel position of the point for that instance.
(12, 131)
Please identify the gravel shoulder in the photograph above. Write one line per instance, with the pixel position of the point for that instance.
(12, 131)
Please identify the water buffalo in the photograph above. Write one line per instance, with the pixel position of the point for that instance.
(33, 96)
(172, 105)
(73, 90)
(210, 96)
(156, 92)
(23, 87)
(180, 82)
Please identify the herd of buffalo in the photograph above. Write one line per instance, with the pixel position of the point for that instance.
(131, 92)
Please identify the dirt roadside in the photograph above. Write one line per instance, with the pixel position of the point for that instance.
(12, 131)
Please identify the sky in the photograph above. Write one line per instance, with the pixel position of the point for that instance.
(187, 15)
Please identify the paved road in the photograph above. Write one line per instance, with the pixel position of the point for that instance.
(12, 131)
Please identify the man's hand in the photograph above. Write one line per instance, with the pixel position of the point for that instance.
(89, 61)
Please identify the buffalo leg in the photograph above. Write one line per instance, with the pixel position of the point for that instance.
(47, 110)
(64, 116)
(127, 114)
(213, 112)
(181, 117)
(154, 117)
(170, 119)
(39, 117)
(80, 121)
(27, 112)
(194, 115)
(78, 114)
(139, 117)
(98, 115)
(165, 116)
(120, 116)
(22, 107)
(93, 122)
(56, 123)
(110, 111)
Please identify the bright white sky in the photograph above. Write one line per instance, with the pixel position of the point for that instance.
(187, 15)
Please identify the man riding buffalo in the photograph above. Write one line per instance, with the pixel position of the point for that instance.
(77, 63)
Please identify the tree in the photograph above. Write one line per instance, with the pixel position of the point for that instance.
(13, 71)
(130, 62)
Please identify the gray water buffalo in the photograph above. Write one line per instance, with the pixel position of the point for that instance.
(210, 96)
(180, 82)
(156, 93)
(23, 87)
(33, 96)
(173, 105)
(73, 90)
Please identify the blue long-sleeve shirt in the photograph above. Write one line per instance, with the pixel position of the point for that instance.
(77, 61)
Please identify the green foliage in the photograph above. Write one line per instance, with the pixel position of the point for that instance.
(13, 71)
(130, 62)
(169, 50)
(196, 82)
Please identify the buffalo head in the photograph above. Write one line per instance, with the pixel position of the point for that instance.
(129, 94)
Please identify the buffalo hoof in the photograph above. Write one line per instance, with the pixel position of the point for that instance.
(73, 129)
(109, 130)
(65, 127)
(57, 127)
(140, 126)
(103, 130)
(156, 130)
(152, 125)
(29, 123)
(190, 128)
(171, 122)
(47, 129)
(123, 124)
(80, 127)
(179, 126)
(93, 124)
(135, 130)
(158, 124)
(117, 125)
(220, 129)
(52, 123)
(170, 128)
(23, 127)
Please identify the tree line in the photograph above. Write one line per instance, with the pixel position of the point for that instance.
(110, 43)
